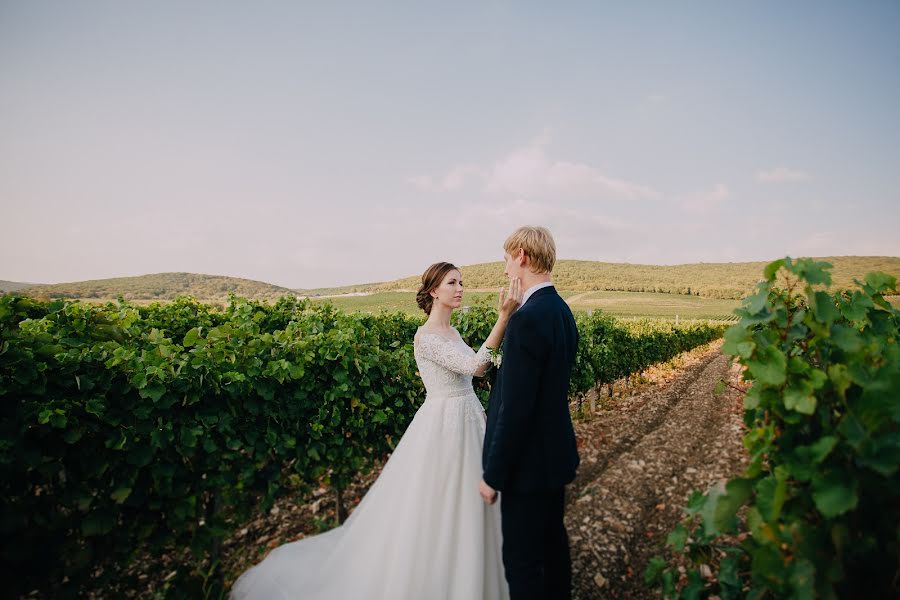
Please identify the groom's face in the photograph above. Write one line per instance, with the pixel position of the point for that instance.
(511, 268)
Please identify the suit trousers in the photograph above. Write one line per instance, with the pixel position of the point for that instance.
(536, 546)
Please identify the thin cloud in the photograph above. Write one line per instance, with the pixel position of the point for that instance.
(520, 210)
(707, 200)
(782, 174)
(454, 179)
(528, 172)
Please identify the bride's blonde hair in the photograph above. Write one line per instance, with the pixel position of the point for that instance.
(538, 245)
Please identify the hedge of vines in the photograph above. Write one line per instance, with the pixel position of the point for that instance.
(816, 514)
(128, 429)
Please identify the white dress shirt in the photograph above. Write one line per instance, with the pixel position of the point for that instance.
(532, 290)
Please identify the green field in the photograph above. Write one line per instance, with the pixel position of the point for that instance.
(668, 306)
(620, 304)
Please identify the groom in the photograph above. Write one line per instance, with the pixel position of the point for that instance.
(529, 447)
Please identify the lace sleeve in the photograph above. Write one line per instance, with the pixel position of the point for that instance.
(453, 356)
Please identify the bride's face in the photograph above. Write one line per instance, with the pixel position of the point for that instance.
(450, 291)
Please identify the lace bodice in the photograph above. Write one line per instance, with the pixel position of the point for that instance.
(447, 366)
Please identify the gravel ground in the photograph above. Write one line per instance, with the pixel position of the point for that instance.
(642, 455)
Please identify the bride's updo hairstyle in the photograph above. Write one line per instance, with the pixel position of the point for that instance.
(431, 279)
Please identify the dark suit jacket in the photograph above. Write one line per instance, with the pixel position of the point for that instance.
(529, 445)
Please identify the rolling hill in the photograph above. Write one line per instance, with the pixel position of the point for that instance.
(161, 286)
(709, 280)
(12, 286)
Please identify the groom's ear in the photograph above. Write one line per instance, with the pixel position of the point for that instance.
(522, 257)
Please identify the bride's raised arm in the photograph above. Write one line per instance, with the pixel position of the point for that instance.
(451, 355)
(508, 303)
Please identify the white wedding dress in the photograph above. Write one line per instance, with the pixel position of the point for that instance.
(422, 532)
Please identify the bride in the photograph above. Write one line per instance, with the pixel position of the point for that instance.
(422, 531)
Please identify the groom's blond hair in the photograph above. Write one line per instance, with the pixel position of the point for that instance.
(538, 245)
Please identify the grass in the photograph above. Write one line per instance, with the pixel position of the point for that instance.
(620, 304)
(644, 304)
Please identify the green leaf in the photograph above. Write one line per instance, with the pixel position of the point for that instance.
(73, 435)
(834, 494)
(117, 440)
(695, 502)
(771, 492)
(141, 454)
(881, 282)
(852, 430)
(770, 367)
(97, 524)
(772, 269)
(755, 303)
(858, 307)
(83, 501)
(847, 339)
(121, 494)
(729, 578)
(883, 455)
(191, 337)
(139, 380)
(800, 399)
(188, 437)
(95, 406)
(655, 568)
(738, 342)
(677, 537)
(58, 419)
(817, 378)
(154, 392)
(814, 272)
(722, 504)
(804, 460)
(840, 378)
(708, 512)
(752, 398)
(802, 579)
(820, 450)
(694, 587)
(825, 309)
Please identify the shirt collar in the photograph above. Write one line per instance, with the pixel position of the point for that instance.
(530, 291)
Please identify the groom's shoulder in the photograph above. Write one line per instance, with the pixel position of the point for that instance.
(533, 312)
(544, 299)
(548, 303)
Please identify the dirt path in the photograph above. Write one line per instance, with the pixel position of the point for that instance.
(577, 297)
(641, 458)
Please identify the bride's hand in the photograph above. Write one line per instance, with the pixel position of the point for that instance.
(510, 299)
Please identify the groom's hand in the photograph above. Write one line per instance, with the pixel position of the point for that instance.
(488, 494)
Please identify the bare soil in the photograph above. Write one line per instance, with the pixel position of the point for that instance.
(642, 456)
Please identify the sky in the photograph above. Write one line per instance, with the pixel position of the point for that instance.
(312, 144)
